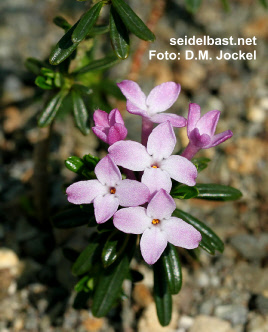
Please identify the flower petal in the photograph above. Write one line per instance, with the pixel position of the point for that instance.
(174, 119)
(161, 141)
(220, 138)
(153, 242)
(193, 117)
(83, 192)
(161, 205)
(180, 169)
(133, 109)
(100, 118)
(199, 140)
(162, 97)
(105, 207)
(130, 154)
(132, 193)
(132, 91)
(181, 234)
(107, 172)
(101, 133)
(208, 122)
(116, 133)
(156, 179)
(132, 220)
(115, 117)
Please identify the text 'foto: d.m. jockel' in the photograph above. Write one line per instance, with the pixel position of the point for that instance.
(151, 170)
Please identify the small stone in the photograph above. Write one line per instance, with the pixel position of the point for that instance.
(250, 246)
(9, 260)
(149, 321)
(210, 324)
(142, 295)
(257, 323)
(235, 314)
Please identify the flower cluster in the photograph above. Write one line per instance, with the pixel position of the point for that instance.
(150, 167)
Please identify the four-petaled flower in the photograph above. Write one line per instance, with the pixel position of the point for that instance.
(108, 191)
(201, 131)
(157, 226)
(110, 128)
(155, 160)
(159, 100)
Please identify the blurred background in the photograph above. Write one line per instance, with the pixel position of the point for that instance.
(223, 293)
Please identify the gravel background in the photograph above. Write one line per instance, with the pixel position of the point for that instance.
(224, 293)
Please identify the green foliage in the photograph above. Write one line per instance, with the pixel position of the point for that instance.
(51, 109)
(80, 112)
(132, 21)
(217, 192)
(114, 247)
(86, 23)
(73, 217)
(83, 166)
(172, 266)
(182, 191)
(264, 3)
(162, 294)
(119, 35)
(100, 64)
(200, 163)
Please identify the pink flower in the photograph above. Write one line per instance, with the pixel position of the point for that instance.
(110, 128)
(201, 131)
(108, 191)
(159, 100)
(155, 160)
(157, 226)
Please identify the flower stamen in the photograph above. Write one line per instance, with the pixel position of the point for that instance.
(154, 166)
(112, 190)
(155, 221)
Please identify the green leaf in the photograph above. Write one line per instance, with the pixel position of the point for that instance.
(90, 161)
(71, 217)
(98, 30)
(80, 112)
(62, 23)
(215, 241)
(64, 47)
(44, 83)
(132, 21)
(193, 5)
(81, 285)
(100, 64)
(108, 289)
(34, 65)
(51, 109)
(200, 163)
(88, 257)
(119, 35)
(114, 247)
(86, 22)
(182, 191)
(206, 245)
(264, 3)
(162, 295)
(217, 192)
(75, 164)
(82, 89)
(172, 267)
(110, 88)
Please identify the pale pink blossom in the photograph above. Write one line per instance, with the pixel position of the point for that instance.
(108, 191)
(201, 131)
(110, 128)
(157, 226)
(156, 161)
